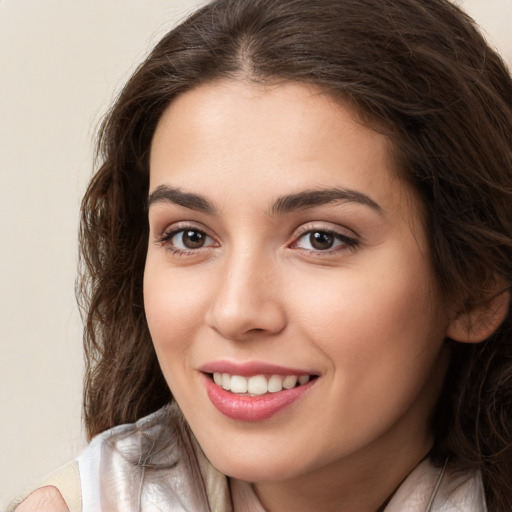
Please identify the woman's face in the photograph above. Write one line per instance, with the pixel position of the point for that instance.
(288, 262)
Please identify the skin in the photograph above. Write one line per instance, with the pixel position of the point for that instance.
(46, 499)
(365, 316)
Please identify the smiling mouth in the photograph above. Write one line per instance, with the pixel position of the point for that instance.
(258, 385)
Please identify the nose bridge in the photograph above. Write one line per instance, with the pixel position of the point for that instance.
(247, 297)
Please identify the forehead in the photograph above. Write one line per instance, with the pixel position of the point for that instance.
(247, 138)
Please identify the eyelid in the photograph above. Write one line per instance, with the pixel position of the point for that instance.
(170, 229)
(329, 227)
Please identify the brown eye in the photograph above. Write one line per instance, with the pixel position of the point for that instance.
(193, 239)
(187, 239)
(321, 240)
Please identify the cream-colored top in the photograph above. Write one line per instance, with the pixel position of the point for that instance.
(67, 480)
(157, 465)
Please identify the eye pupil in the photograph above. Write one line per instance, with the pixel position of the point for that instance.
(193, 239)
(321, 240)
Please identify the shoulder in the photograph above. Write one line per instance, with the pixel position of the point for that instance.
(180, 477)
(45, 499)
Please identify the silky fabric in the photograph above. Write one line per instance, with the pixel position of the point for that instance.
(152, 465)
(157, 465)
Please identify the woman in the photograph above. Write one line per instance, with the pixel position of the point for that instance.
(297, 251)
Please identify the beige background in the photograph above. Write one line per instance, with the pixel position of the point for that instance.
(61, 63)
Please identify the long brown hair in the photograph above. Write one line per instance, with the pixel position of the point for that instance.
(418, 69)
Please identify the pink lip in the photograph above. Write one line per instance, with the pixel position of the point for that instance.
(253, 408)
(250, 368)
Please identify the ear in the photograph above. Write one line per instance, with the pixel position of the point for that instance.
(477, 324)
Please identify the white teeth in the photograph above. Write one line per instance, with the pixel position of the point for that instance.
(303, 379)
(289, 381)
(275, 383)
(238, 384)
(258, 384)
(226, 381)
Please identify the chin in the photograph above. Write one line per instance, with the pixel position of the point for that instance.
(260, 467)
(261, 472)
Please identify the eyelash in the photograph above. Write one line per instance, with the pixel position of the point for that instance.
(344, 242)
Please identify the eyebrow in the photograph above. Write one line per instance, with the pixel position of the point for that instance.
(166, 194)
(284, 204)
(310, 198)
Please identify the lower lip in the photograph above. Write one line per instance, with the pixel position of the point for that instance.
(253, 408)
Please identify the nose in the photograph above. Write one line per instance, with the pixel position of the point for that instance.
(246, 300)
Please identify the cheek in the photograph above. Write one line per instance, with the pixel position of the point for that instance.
(382, 340)
(172, 310)
(374, 320)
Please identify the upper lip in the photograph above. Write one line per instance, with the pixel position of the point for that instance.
(250, 368)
